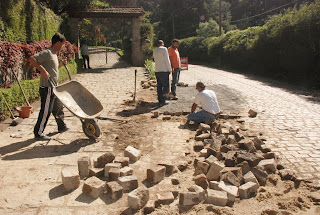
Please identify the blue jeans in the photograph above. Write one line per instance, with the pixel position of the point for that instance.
(162, 85)
(175, 80)
(200, 116)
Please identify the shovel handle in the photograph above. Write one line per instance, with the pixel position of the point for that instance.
(24, 95)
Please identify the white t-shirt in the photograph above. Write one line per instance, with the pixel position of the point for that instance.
(208, 101)
(161, 59)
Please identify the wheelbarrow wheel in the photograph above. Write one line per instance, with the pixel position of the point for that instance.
(91, 129)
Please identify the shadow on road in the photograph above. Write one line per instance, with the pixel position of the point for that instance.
(44, 151)
(140, 108)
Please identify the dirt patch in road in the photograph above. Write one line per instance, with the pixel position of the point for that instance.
(277, 197)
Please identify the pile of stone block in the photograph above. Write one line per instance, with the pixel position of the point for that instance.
(230, 165)
(103, 174)
(151, 84)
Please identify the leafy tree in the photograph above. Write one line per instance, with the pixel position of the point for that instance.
(208, 29)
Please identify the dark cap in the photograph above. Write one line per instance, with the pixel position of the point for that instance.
(200, 84)
(160, 42)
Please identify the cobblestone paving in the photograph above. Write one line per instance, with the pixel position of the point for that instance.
(289, 121)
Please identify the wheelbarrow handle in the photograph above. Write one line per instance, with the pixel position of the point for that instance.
(51, 82)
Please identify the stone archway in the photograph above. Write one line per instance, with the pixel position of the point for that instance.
(133, 13)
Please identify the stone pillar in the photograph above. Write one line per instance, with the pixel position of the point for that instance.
(74, 28)
(136, 49)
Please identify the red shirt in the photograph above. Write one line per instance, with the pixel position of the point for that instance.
(174, 56)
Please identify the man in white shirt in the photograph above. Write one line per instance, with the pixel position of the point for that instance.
(162, 71)
(208, 101)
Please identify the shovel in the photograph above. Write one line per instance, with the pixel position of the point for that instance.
(15, 121)
(24, 95)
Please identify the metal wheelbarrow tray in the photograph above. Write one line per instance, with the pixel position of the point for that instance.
(83, 104)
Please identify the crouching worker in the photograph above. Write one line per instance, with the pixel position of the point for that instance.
(208, 101)
(48, 64)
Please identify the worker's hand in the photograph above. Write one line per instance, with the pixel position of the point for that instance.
(169, 72)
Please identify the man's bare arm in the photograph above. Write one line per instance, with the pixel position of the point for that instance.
(193, 108)
(39, 67)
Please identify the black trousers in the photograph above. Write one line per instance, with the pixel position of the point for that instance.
(162, 85)
(49, 104)
(84, 58)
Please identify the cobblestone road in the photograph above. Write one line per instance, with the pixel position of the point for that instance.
(289, 121)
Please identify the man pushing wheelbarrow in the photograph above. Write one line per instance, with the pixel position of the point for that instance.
(48, 64)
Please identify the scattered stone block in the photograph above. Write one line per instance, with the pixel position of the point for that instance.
(216, 197)
(230, 158)
(247, 144)
(252, 113)
(109, 166)
(107, 157)
(245, 167)
(156, 114)
(94, 160)
(98, 172)
(215, 152)
(155, 174)
(227, 148)
(265, 149)
(238, 136)
(214, 185)
(166, 118)
(204, 153)
(286, 174)
(204, 127)
(252, 158)
(189, 198)
(199, 159)
(248, 190)
(128, 182)
(260, 175)
(211, 159)
(70, 179)
(203, 167)
(125, 171)
(183, 165)
(123, 160)
(225, 131)
(230, 178)
(214, 171)
(114, 174)
(250, 177)
(270, 155)
(138, 198)
(179, 113)
(115, 190)
(231, 140)
(175, 181)
(199, 190)
(94, 187)
(201, 180)
(83, 166)
(164, 198)
(198, 146)
(149, 207)
(258, 143)
(232, 191)
(132, 153)
(201, 137)
(268, 165)
(237, 171)
(169, 167)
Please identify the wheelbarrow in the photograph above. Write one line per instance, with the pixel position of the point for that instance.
(82, 103)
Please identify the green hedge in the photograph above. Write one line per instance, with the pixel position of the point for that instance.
(287, 47)
(14, 95)
(25, 20)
